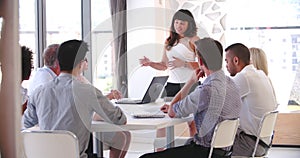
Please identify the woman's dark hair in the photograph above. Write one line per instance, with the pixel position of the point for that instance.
(27, 64)
(184, 15)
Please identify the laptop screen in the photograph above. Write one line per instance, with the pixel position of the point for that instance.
(155, 88)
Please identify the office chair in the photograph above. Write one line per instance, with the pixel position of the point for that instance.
(50, 144)
(266, 130)
(224, 134)
(265, 133)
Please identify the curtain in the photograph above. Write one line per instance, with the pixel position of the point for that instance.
(119, 24)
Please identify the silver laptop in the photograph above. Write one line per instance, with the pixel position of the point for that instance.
(153, 92)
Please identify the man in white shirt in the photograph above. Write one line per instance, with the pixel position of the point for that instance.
(257, 97)
(48, 72)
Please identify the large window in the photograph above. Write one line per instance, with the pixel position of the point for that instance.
(27, 23)
(63, 20)
(61, 24)
(102, 38)
(27, 28)
(261, 24)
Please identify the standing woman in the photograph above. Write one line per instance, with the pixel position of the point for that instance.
(178, 54)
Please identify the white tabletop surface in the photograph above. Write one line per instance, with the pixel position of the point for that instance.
(139, 124)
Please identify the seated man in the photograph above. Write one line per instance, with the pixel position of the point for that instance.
(215, 100)
(48, 72)
(257, 96)
(66, 103)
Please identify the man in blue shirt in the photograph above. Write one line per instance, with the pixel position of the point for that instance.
(66, 103)
(215, 100)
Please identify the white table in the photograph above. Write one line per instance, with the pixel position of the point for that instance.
(141, 124)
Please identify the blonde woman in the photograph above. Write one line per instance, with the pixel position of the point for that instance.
(259, 59)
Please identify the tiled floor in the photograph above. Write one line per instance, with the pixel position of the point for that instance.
(284, 152)
(137, 149)
(142, 142)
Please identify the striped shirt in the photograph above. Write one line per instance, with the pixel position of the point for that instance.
(216, 99)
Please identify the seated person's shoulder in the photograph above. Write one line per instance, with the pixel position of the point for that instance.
(232, 83)
(240, 78)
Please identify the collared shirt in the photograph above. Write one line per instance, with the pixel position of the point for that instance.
(41, 76)
(215, 100)
(67, 104)
(24, 95)
(257, 96)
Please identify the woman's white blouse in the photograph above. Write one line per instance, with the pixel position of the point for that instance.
(180, 74)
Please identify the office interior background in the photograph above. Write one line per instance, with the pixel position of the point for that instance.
(273, 25)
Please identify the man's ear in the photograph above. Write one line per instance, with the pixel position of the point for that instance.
(235, 60)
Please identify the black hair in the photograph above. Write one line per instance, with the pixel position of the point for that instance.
(211, 53)
(27, 64)
(241, 51)
(185, 15)
(71, 53)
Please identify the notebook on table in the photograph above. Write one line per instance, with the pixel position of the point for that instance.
(153, 92)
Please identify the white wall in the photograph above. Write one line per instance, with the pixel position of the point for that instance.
(147, 30)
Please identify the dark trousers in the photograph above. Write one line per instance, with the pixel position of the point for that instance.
(188, 151)
(171, 89)
(89, 150)
(244, 145)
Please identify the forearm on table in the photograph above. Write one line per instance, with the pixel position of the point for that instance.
(110, 113)
(171, 112)
(107, 111)
(179, 96)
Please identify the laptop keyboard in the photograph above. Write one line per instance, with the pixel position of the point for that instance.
(149, 115)
(128, 101)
